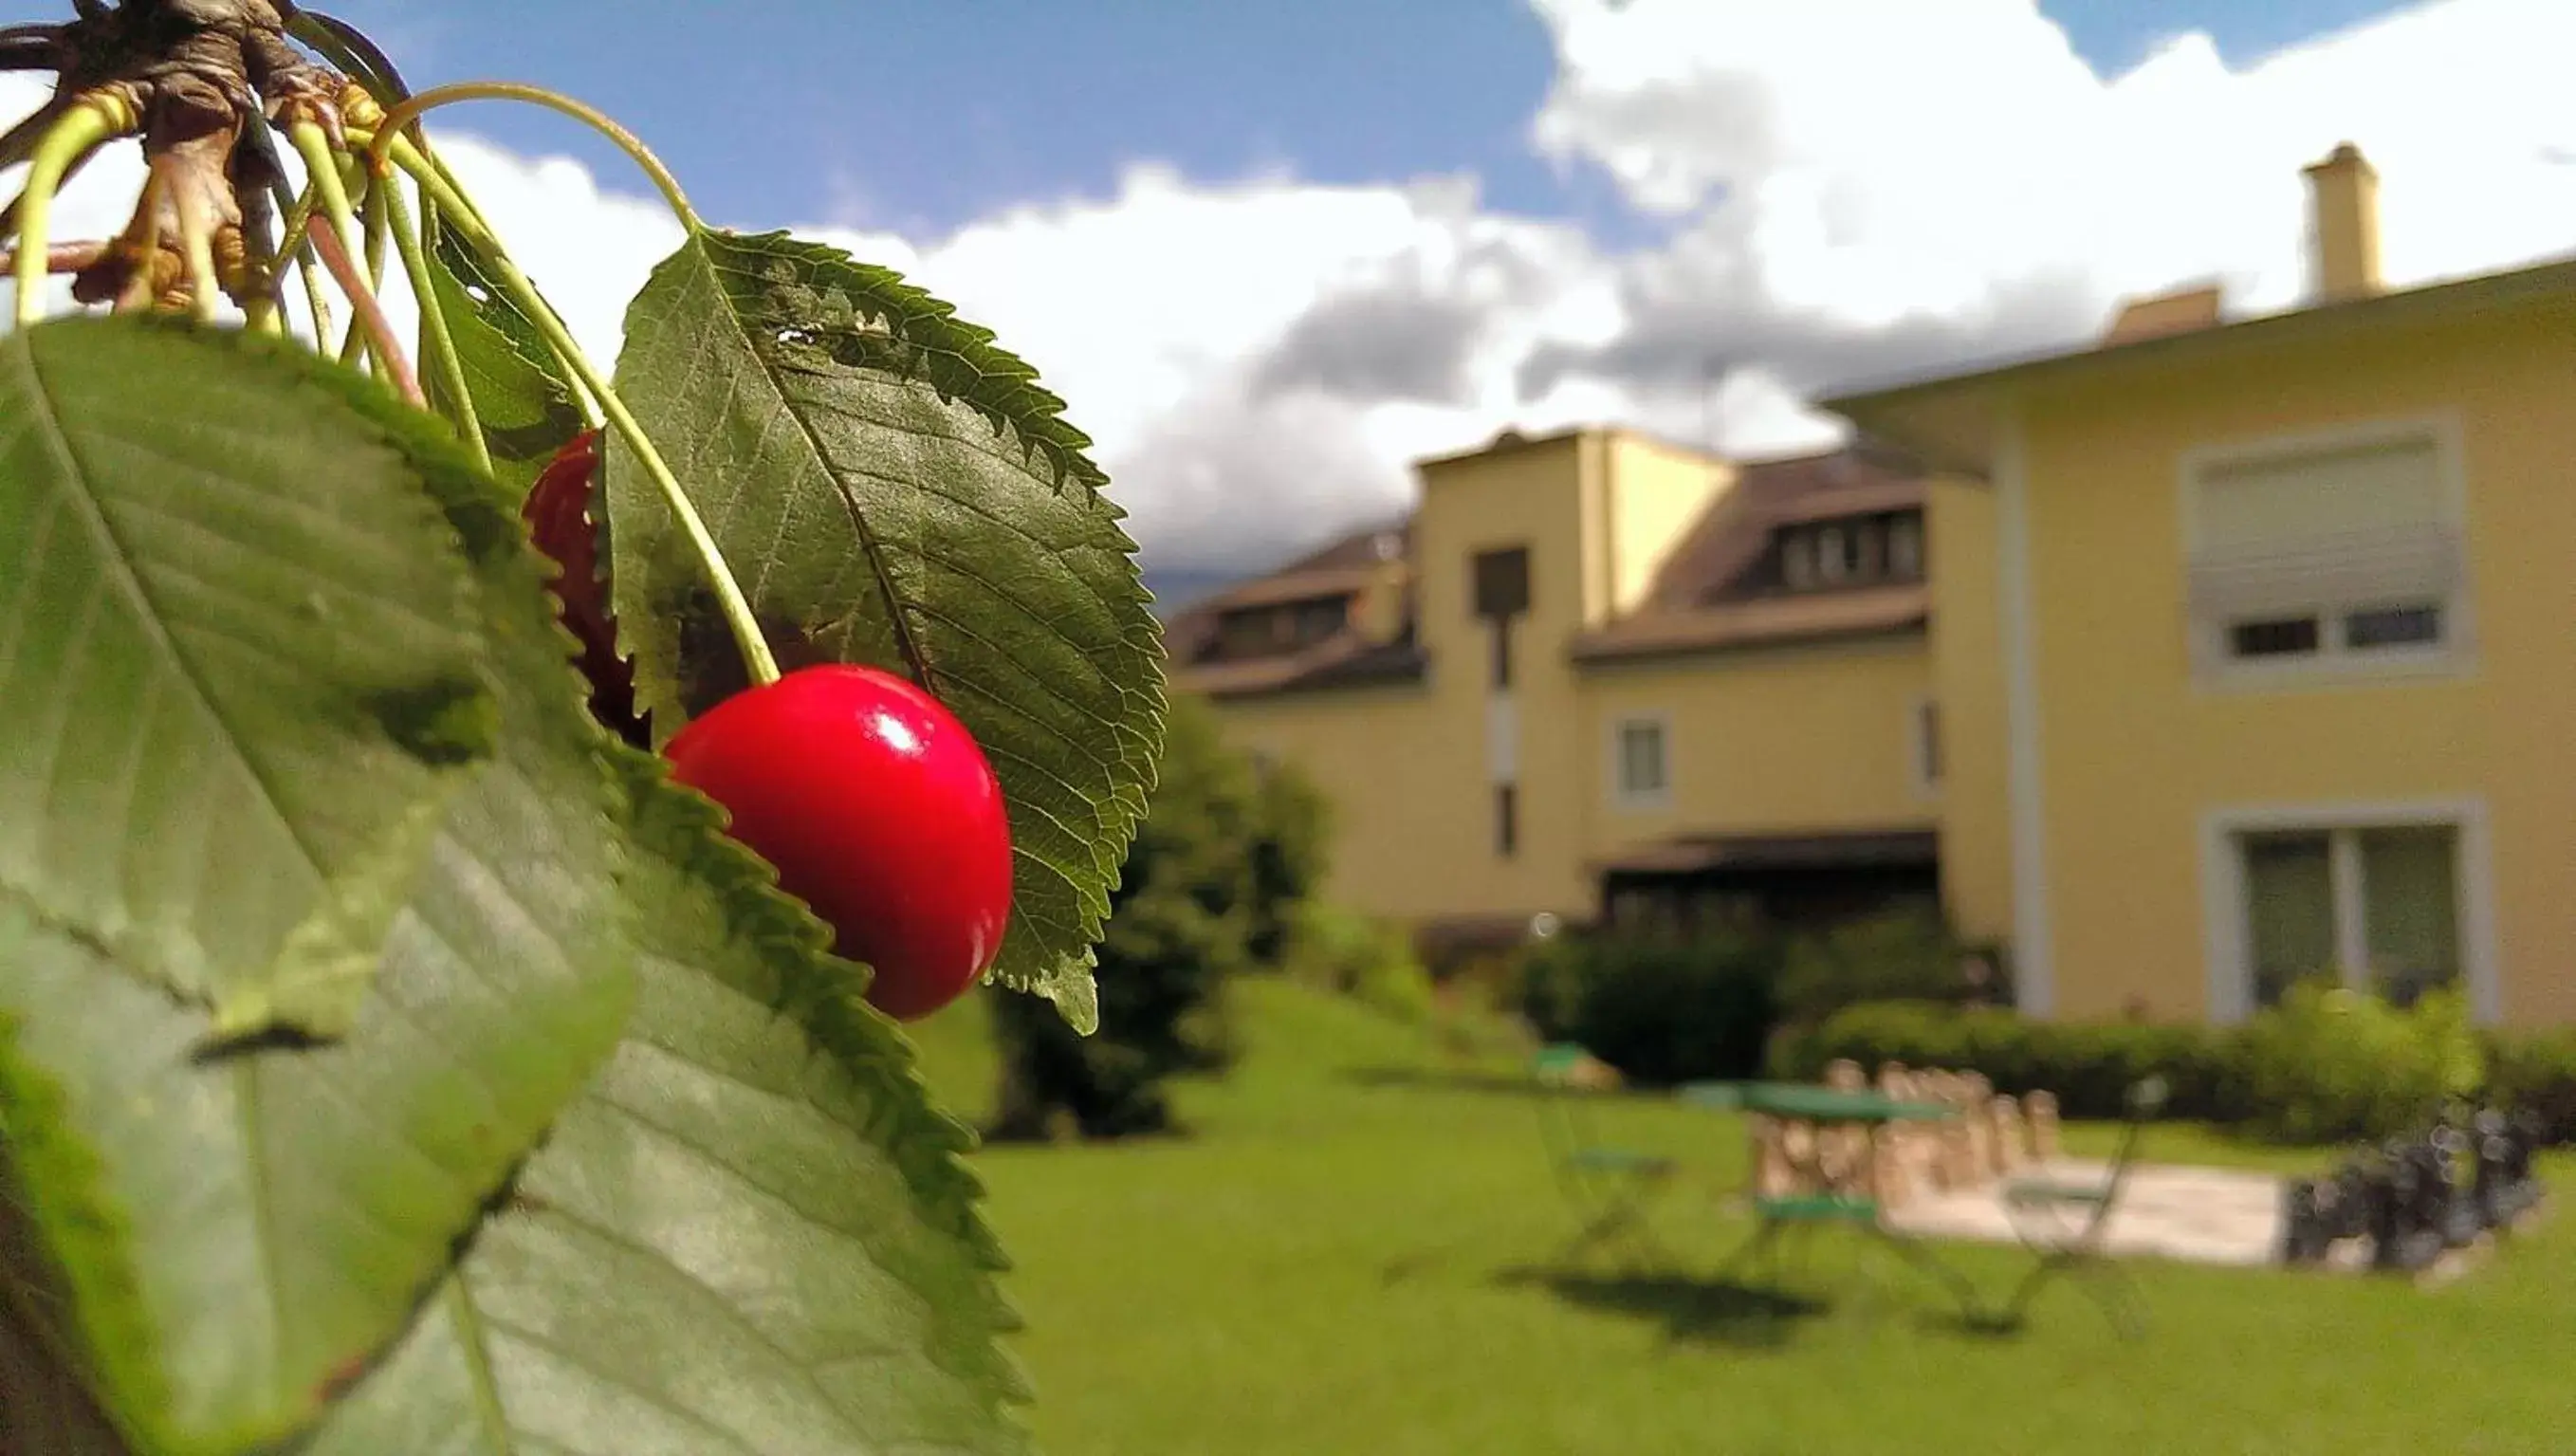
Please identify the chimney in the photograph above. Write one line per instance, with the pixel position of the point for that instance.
(2343, 204)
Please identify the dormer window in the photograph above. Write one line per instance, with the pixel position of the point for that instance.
(1833, 562)
(1905, 547)
(1851, 551)
(1286, 627)
(1798, 560)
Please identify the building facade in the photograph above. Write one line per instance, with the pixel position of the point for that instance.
(2213, 655)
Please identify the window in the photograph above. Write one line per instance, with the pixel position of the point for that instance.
(2393, 627)
(1927, 744)
(1507, 829)
(1905, 546)
(1831, 563)
(2374, 907)
(2326, 558)
(1502, 583)
(2278, 637)
(1798, 560)
(1869, 549)
(1318, 618)
(1640, 772)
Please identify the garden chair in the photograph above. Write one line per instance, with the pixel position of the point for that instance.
(1609, 1187)
(2066, 1222)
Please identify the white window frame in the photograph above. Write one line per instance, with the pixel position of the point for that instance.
(1621, 795)
(2216, 668)
(1923, 745)
(2226, 918)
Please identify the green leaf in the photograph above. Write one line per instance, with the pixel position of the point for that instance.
(238, 668)
(521, 399)
(750, 1235)
(240, 1228)
(893, 489)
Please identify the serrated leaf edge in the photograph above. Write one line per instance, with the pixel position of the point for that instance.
(1001, 387)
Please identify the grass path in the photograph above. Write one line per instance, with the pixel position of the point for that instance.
(1342, 1261)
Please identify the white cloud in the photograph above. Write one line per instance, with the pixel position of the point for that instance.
(1854, 187)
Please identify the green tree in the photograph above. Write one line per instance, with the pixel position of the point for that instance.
(1290, 852)
(1209, 888)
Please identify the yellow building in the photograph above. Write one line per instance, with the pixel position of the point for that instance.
(2212, 655)
(1599, 673)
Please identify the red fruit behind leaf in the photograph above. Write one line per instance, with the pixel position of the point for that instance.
(880, 812)
(558, 514)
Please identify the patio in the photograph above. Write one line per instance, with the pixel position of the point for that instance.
(2168, 1211)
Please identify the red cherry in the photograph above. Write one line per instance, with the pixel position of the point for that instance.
(558, 514)
(879, 811)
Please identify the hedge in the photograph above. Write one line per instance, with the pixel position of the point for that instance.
(2537, 1072)
(2326, 1066)
(2089, 1065)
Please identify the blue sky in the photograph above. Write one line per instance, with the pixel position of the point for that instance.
(1270, 255)
(918, 116)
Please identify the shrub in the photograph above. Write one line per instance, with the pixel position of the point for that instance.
(2326, 1065)
(1361, 957)
(1191, 904)
(2538, 1073)
(2329, 1063)
(2088, 1065)
(1660, 1009)
(1290, 851)
(1906, 953)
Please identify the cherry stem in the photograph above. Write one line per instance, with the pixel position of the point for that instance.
(370, 315)
(436, 342)
(295, 246)
(322, 175)
(409, 110)
(373, 220)
(441, 193)
(761, 665)
(90, 121)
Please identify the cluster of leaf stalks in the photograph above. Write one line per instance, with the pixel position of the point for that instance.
(210, 88)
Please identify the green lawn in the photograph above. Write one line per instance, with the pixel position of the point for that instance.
(1340, 1261)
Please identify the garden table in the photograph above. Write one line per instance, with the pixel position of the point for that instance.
(1828, 1196)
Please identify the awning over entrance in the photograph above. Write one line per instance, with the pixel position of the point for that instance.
(1697, 882)
(1754, 854)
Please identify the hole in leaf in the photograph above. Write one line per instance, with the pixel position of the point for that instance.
(478, 293)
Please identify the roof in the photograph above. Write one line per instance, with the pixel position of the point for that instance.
(1510, 439)
(1762, 622)
(1700, 601)
(1948, 420)
(1340, 568)
(1343, 661)
(1697, 602)
(2166, 313)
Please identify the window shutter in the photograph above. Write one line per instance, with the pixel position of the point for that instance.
(2326, 572)
(2322, 534)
